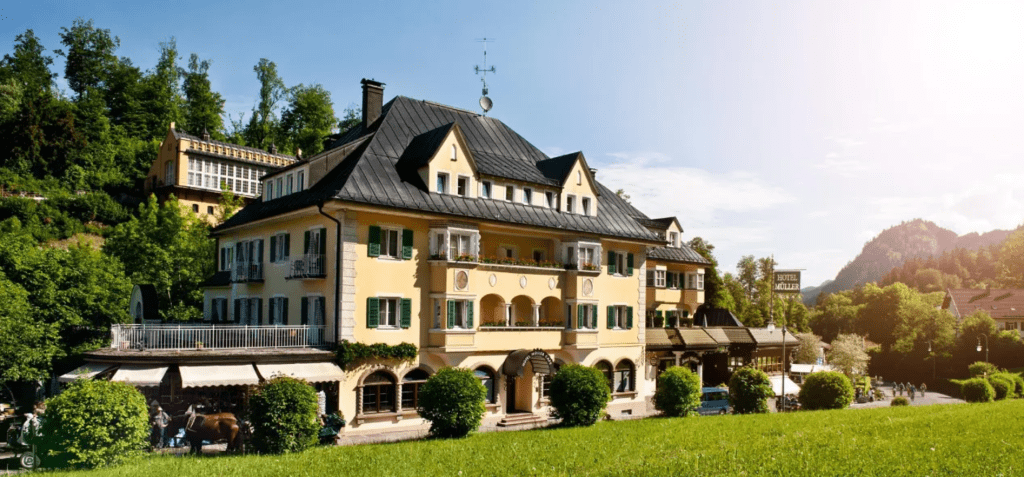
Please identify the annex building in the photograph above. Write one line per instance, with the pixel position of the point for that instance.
(1005, 306)
(442, 228)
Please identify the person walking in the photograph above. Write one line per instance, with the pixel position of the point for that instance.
(901, 388)
(924, 388)
(912, 391)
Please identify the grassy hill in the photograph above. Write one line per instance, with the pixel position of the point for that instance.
(961, 439)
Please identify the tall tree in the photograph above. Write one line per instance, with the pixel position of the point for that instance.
(90, 56)
(308, 118)
(161, 92)
(847, 355)
(28, 65)
(203, 107)
(263, 125)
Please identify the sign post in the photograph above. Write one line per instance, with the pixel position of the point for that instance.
(783, 282)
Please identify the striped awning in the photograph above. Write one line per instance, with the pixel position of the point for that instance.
(140, 375)
(86, 371)
(218, 375)
(311, 372)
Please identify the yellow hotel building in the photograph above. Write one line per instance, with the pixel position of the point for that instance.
(443, 228)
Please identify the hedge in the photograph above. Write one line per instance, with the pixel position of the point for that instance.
(977, 390)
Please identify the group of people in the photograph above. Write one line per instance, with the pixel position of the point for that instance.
(910, 389)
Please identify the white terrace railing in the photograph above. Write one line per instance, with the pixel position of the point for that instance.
(204, 336)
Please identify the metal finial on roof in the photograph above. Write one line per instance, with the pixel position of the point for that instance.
(485, 103)
(206, 135)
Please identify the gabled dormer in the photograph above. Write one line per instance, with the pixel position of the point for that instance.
(668, 228)
(579, 188)
(442, 162)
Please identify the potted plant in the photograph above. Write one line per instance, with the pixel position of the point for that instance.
(199, 345)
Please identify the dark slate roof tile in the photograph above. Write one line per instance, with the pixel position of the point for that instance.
(681, 254)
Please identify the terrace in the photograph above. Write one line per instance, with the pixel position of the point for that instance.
(214, 337)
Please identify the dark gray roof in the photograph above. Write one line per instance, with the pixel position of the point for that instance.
(682, 254)
(557, 168)
(709, 317)
(219, 279)
(370, 174)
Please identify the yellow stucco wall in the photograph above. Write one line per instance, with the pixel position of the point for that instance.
(578, 184)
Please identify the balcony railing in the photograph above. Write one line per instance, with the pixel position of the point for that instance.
(309, 266)
(202, 336)
(248, 272)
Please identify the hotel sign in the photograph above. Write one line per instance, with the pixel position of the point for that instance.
(787, 281)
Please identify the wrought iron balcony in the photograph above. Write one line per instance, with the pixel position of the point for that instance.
(309, 266)
(247, 272)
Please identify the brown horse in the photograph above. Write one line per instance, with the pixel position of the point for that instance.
(208, 427)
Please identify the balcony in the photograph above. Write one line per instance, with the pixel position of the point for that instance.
(247, 272)
(309, 266)
(214, 337)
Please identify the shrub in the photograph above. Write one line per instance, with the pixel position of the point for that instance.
(579, 394)
(94, 423)
(283, 413)
(1017, 382)
(980, 368)
(1002, 385)
(899, 401)
(351, 354)
(977, 390)
(826, 390)
(749, 390)
(678, 392)
(453, 401)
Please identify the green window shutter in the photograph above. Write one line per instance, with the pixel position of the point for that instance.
(323, 242)
(259, 311)
(451, 314)
(305, 311)
(593, 317)
(406, 312)
(406, 244)
(259, 251)
(284, 311)
(305, 244)
(668, 280)
(629, 264)
(373, 245)
(579, 316)
(611, 317)
(629, 317)
(321, 305)
(372, 312)
(469, 314)
(611, 263)
(273, 248)
(287, 247)
(238, 310)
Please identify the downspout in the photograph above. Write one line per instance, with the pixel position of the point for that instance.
(337, 270)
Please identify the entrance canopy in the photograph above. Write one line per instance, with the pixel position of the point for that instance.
(311, 372)
(218, 375)
(791, 387)
(86, 371)
(516, 362)
(140, 375)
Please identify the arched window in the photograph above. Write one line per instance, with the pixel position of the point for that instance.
(606, 369)
(624, 377)
(379, 393)
(411, 388)
(486, 377)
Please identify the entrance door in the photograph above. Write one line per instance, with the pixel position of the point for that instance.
(510, 394)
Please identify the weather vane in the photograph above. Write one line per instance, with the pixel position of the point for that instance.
(485, 102)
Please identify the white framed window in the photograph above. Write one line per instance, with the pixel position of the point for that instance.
(169, 173)
(270, 190)
(550, 196)
(570, 204)
(278, 311)
(279, 247)
(586, 205)
(463, 186)
(388, 312)
(485, 189)
(302, 180)
(280, 187)
(587, 318)
(620, 264)
(621, 317)
(659, 278)
(442, 182)
(459, 245)
(695, 281)
(673, 239)
(290, 181)
(510, 192)
(390, 243)
(227, 256)
(459, 314)
(527, 195)
(588, 256)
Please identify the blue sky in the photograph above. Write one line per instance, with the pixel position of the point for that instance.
(801, 129)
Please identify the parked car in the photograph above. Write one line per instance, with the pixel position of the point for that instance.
(714, 401)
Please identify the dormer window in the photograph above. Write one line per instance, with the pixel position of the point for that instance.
(455, 153)
(463, 186)
(485, 189)
(510, 192)
(579, 177)
(442, 183)
(570, 204)
(673, 239)
(527, 195)
(270, 190)
(290, 181)
(586, 206)
(550, 196)
(302, 180)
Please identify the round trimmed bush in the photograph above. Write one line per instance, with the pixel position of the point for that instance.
(826, 390)
(579, 394)
(678, 392)
(1016, 381)
(283, 413)
(977, 390)
(453, 401)
(749, 390)
(1002, 385)
(94, 423)
(982, 368)
(899, 401)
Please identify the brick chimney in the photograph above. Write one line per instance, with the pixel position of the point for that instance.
(373, 100)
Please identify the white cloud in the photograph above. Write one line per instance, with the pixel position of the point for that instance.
(660, 187)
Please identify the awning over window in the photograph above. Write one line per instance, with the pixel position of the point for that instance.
(311, 372)
(791, 387)
(86, 371)
(218, 375)
(140, 375)
(516, 362)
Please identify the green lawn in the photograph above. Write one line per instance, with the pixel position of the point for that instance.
(958, 440)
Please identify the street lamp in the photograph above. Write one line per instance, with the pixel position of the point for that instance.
(986, 345)
(771, 328)
(933, 359)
